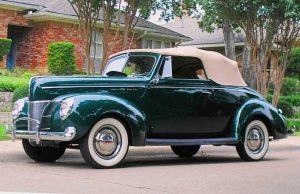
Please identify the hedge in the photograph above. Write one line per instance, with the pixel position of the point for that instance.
(61, 59)
(293, 123)
(21, 92)
(294, 100)
(5, 45)
(10, 84)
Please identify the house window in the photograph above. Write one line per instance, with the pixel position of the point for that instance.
(167, 44)
(96, 49)
(155, 44)
(148, 44)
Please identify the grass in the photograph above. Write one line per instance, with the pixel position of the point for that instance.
(297, 133)
(3, 136)
(10, 83)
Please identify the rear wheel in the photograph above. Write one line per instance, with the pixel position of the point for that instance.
(106, 145)
(256, 142)
(185, 151)
(42, 154)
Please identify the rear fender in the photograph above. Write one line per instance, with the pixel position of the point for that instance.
(261, 110)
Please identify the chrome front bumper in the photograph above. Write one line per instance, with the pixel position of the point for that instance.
(37, 135)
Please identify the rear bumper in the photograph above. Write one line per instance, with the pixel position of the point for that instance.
(37, 135)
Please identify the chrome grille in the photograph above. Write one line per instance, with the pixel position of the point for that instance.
(36, 109)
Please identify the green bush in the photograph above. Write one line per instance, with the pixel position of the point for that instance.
(293, 123)
(21, 92)
(287, 109)
(10, 84)
(290, 86)
(5, 45)
(293, 68)
(294, 100)
(61, 59)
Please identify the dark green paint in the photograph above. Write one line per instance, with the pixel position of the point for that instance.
(171, 108)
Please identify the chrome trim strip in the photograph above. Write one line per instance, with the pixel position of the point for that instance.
(39, 101)
(79, 86)
(202, 141)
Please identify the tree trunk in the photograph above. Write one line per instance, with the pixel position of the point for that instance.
(229, 40)
(248, 71)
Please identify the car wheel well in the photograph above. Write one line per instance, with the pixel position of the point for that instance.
(123, 120)
(265, 120)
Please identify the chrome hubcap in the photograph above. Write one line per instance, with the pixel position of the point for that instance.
(107, 142)
(255, 139)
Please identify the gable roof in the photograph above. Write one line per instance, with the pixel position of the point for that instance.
(62, 9)
(188, 26)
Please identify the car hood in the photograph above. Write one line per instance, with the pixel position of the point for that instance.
(47, 88)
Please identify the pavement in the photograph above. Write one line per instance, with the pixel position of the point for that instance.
(156, 170)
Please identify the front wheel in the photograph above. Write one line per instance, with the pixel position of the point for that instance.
(43, 154)
(256, 142)
(185, 151)
(106, 145)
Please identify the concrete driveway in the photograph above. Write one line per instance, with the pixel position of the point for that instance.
(156, 170)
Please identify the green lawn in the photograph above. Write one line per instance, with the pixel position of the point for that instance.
(3, 136)
(297, 133)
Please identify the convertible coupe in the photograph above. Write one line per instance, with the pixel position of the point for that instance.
(178, 97)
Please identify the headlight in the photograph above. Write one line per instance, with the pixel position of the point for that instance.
(17, 108)
(66, 107)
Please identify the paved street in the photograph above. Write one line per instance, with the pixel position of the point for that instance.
(156, 170)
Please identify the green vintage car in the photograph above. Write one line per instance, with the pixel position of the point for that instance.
(178, 97)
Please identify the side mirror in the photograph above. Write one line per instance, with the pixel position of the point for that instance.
(167, 72)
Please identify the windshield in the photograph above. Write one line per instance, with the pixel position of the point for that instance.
(131, 66)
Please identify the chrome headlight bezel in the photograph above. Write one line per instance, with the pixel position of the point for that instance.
(66, 108)
(17, 108)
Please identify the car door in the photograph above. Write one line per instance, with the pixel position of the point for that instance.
(182, 105)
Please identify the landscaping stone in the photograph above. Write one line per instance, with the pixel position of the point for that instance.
(5, 118)
(5, 107)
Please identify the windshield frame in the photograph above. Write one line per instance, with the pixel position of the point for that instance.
(138, 54)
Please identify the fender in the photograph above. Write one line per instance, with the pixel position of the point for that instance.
(90, 108)
(259, 109)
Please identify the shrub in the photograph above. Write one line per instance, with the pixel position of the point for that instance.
(287, 109)
(294, 100)
(20, 92)
(293, 68)
(10, 84)
(5, 45)
(290, 86)
(61, 59)
(293, 123)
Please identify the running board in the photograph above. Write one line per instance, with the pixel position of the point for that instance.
(209, 141)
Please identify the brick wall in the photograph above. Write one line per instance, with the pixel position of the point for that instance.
(32, 48)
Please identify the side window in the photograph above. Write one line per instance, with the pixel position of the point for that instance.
(182, 68)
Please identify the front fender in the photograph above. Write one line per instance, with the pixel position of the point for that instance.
(90, 108)
(259, 109)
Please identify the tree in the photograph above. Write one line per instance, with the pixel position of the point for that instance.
(133, 11)
(285, 39)
(261, 21)
(108, 15)
(212, 19)
(87, 12)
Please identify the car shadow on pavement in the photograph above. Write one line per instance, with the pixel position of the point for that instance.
(155, 161)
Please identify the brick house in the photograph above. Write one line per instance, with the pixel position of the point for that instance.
(33, 24)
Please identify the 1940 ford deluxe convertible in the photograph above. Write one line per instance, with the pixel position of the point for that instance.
(178, 97)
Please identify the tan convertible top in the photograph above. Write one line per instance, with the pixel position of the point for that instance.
(218, 67)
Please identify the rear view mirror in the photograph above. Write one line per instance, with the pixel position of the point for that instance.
(167, 72)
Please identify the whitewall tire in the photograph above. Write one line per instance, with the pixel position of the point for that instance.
(256, 142)
(106, 145)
